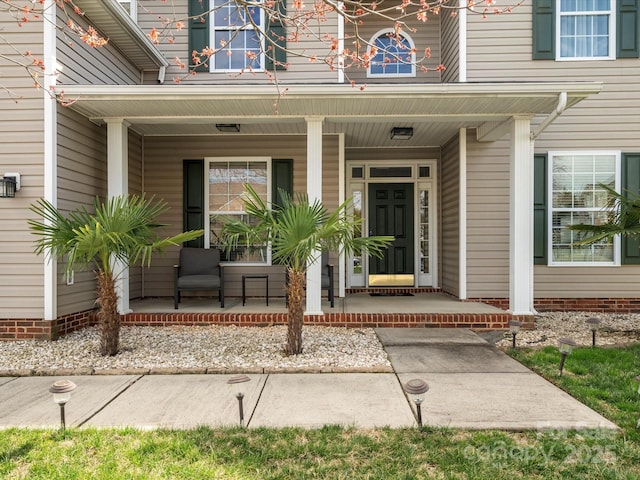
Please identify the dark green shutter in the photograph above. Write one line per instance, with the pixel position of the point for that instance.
(628, 25)
(281, 179)
(193, 199)
(544, 30)
(198, 30)
(276, 42)
(631, 184)
(540, 240)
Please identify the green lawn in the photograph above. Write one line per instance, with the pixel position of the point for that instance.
(601, 378)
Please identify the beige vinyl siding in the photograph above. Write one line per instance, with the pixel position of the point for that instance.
(450, 217)
(300, 67)
(135, 188)
(427, 35)
(22, 151)
(450, 25)
(607, 121)
(84, 65)
(163, 158)
(81, 177)
(373, 154)
(487, 218)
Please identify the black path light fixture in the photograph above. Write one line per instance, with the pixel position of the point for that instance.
(416, 388)
(638, 379)
(514, 328)
(61, 390)
(237, 384)
(594, 324)
(566, 346)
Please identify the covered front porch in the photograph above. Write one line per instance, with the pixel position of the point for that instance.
(465, 171)
(377, 308)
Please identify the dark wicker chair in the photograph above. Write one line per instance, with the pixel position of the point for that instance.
(199, 269)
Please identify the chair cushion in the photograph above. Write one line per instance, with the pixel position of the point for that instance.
(199, 282)
(199, 261)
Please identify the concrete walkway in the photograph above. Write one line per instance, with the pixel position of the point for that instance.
(473, 385)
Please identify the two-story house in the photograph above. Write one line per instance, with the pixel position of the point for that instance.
(476, 169)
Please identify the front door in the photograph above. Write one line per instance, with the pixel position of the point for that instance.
(391, 213)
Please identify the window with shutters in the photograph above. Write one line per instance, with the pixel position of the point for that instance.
(575, 197)
(235, 32)
(225, 190)
(393, 55)
(586, 29)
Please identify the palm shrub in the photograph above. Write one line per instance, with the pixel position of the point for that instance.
(298, 231)
(121, 231)
(623, 220)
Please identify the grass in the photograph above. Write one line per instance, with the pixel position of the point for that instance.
(601, 378)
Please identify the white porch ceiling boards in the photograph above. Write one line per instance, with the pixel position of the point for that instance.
(435, 111)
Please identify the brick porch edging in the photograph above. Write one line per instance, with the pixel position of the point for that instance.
(600, 305)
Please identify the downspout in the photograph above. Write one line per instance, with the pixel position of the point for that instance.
(562, 105)
(161, 73)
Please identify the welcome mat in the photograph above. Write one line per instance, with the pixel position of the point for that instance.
(391, 294)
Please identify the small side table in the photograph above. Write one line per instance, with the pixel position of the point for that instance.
(254, 277)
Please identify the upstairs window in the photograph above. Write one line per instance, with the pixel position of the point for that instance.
(393, 55)
(586, 29)
(235, 32)
(130, 6)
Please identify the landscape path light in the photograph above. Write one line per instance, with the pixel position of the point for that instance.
(594, 324)
(237, 384)
(416, 389)
(566, 346)
(514, 328)
(638, 379)
(61, 390)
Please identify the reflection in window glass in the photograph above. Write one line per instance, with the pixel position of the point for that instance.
(424, 231)
(577, 197)
(227, 180)
(357, 215)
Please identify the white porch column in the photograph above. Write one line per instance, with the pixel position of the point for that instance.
(314, 190)
(521, 218)
(118, 184)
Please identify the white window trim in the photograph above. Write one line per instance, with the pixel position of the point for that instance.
(248, 26)
(133, 8)
(612, 33)
(207, 230)
(372, 41)
(616, 241)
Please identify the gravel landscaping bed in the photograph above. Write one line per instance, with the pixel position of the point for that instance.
(194, 349)
(229, 349)
(615, 329)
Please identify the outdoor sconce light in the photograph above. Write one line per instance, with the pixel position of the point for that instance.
(237, 386)
(401, 133)
(566, 346)
(416, 388)
(228, 127)
(594, 324)
(514, 328)
(61, 394)
(9, 185)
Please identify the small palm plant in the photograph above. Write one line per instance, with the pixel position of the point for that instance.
(624, 218)
(121, 230)
(298, 231)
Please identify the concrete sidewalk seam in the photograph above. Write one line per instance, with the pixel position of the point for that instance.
(111, 400)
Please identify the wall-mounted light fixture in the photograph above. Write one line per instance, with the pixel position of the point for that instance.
(401, 133)
(228, 127)
(9, 185)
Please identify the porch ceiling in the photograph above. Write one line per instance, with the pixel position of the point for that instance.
(435, 111)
